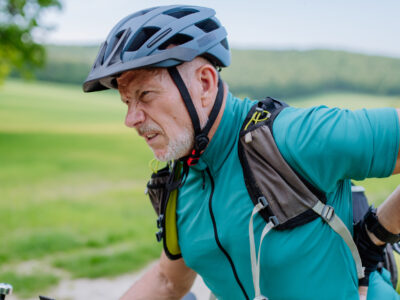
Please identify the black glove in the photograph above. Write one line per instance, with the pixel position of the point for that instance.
(370, 253)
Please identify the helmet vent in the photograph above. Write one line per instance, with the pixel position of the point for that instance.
(112, 45)
(141, 37)
(207, 25)
(122, 36)
(180, 13)
(224, 43)
(177, 39)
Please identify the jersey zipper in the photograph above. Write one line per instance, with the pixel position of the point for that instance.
(217, 238)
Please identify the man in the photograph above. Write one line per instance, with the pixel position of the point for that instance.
(164, 62)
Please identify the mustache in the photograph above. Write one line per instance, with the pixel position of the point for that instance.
(146, 128)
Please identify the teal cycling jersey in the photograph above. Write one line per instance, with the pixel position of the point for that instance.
(327, 147)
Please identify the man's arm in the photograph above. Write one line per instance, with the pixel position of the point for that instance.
(389, 211)
(388, 214)
(168, 279)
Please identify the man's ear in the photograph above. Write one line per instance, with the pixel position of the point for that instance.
(208, 78)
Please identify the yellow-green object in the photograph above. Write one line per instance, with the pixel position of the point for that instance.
(171, 245)
(397, 259)
(171, 232)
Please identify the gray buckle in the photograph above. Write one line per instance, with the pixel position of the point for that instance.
(263, 201)
(274, 220)
(327, 213)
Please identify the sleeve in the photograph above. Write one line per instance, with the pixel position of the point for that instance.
(327, 145)
(380, 287)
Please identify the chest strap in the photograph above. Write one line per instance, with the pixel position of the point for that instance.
(255, 260)
(326, 212)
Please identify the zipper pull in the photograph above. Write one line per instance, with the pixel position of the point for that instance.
(248, 138)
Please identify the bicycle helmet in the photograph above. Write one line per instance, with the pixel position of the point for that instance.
(141, 40)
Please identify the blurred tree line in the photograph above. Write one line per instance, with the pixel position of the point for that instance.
(18, 21)
(260, 73)
(285, 74)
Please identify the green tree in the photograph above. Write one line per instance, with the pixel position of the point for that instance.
(18, 20)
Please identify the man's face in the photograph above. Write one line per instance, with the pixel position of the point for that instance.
(156, 110)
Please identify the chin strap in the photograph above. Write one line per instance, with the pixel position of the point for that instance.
(201, 139)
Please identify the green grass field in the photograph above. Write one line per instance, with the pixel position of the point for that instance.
(72, 179)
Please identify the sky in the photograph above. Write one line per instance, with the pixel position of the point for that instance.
(365, 26)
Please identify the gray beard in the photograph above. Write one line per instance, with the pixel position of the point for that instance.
(179, 147)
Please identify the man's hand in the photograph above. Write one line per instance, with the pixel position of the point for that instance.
(389, 217)
(168, 279)
(370, 253)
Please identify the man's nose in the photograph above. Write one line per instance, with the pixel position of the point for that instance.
(134, 117)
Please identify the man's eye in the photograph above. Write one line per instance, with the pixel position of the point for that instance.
(144, 95)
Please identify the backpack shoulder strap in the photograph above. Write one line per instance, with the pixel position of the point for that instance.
(278, 193)
(258, 173)
(271, 106)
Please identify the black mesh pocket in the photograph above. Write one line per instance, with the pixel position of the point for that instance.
(156, 188)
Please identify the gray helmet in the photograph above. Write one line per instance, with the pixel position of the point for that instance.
(140, 40)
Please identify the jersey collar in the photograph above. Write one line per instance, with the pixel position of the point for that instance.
(224, 139)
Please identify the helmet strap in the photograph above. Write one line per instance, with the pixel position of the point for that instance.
(201, 139)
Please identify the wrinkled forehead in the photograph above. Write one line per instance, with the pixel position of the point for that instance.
(138, 77)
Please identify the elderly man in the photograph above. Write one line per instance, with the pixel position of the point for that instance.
(165, 61)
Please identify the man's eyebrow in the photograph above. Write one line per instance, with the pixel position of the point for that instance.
(121, 82)
(125, 78)
(127, 95)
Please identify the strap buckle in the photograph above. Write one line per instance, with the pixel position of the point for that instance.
(160, 219)
(192, 161)
(274, 220)
(159, 235)
(263, 201)
(193, 158)
(327, 213)
(264, 114)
